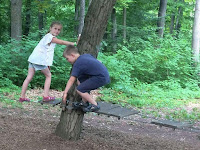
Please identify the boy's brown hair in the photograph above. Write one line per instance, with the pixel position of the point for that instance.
(69, 50)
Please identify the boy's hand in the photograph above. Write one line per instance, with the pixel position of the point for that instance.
(64, 98)
(63, 104)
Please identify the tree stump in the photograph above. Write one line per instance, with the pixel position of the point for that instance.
(71, 120)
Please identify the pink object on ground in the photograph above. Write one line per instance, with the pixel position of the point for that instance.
(24, 100)
(47, 99)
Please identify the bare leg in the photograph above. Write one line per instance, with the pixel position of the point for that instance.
(47, 83)
(78, 82)
(31, 72)
(87, 97)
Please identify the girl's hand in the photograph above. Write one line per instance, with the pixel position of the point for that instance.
(79, 36)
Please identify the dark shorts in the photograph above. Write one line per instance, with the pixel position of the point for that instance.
(91, 84)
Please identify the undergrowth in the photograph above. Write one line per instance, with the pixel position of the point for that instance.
(155, 75)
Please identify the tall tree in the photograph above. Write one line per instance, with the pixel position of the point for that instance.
(41, 17)
(124, 23)
(196, 32)
(161, 17)
(95, 24)
(90, 2)
(16, 19)
(172, 19)
(114, 30)
(179, 18)
(82, 16)
(27, 18)
(77, 12)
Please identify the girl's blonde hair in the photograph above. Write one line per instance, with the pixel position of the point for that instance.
(55, 23)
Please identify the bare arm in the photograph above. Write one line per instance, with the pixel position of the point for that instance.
(70, 82)
(61, 42)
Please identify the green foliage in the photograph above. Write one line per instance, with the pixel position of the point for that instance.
(158, 76)
(146, 71)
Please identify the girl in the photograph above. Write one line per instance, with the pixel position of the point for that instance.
(42, 58)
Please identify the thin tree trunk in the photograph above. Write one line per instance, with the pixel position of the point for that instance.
(27, 18)
(172, 23)
(16, 19)
(161, 17)
(40, 23)
(178, 19)
(114, 31)
(82, 16)
(90, 2)
(124, 23)
(40, 19)
(77, 11)
(196, 33)
(96, 20)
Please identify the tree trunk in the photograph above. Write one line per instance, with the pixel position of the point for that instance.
(82, 16)
(40, 23)
(114, 31)
(95, 25)
(16, 19)
(27, 18)
(161, 17)
(196, 33)
(172, 20)
(172, 23)
(178, 19)
(96, 19)
(90, 2)
(71, 121)
(40, 18)
(124, 23)
(77, 10)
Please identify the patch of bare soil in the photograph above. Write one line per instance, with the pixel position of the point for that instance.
(32, 128)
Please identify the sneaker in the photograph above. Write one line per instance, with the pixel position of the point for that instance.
(24, 100)
(80, 104)
(91, 108)
(48, 98)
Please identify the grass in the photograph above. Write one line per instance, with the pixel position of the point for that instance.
(174, 104)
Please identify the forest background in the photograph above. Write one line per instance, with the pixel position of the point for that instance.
(151, 70)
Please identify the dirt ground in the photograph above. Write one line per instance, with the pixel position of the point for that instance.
(32, 127)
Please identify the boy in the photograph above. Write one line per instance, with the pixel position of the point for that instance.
(91, 74)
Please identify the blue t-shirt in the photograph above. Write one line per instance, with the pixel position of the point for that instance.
(86, 66)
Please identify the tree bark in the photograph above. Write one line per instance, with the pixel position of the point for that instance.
(71, 120)
(82, 16)
(77, 11)
(90, 2)
(161, 17)
(196, 33)
(16, 19)
(95, 25)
